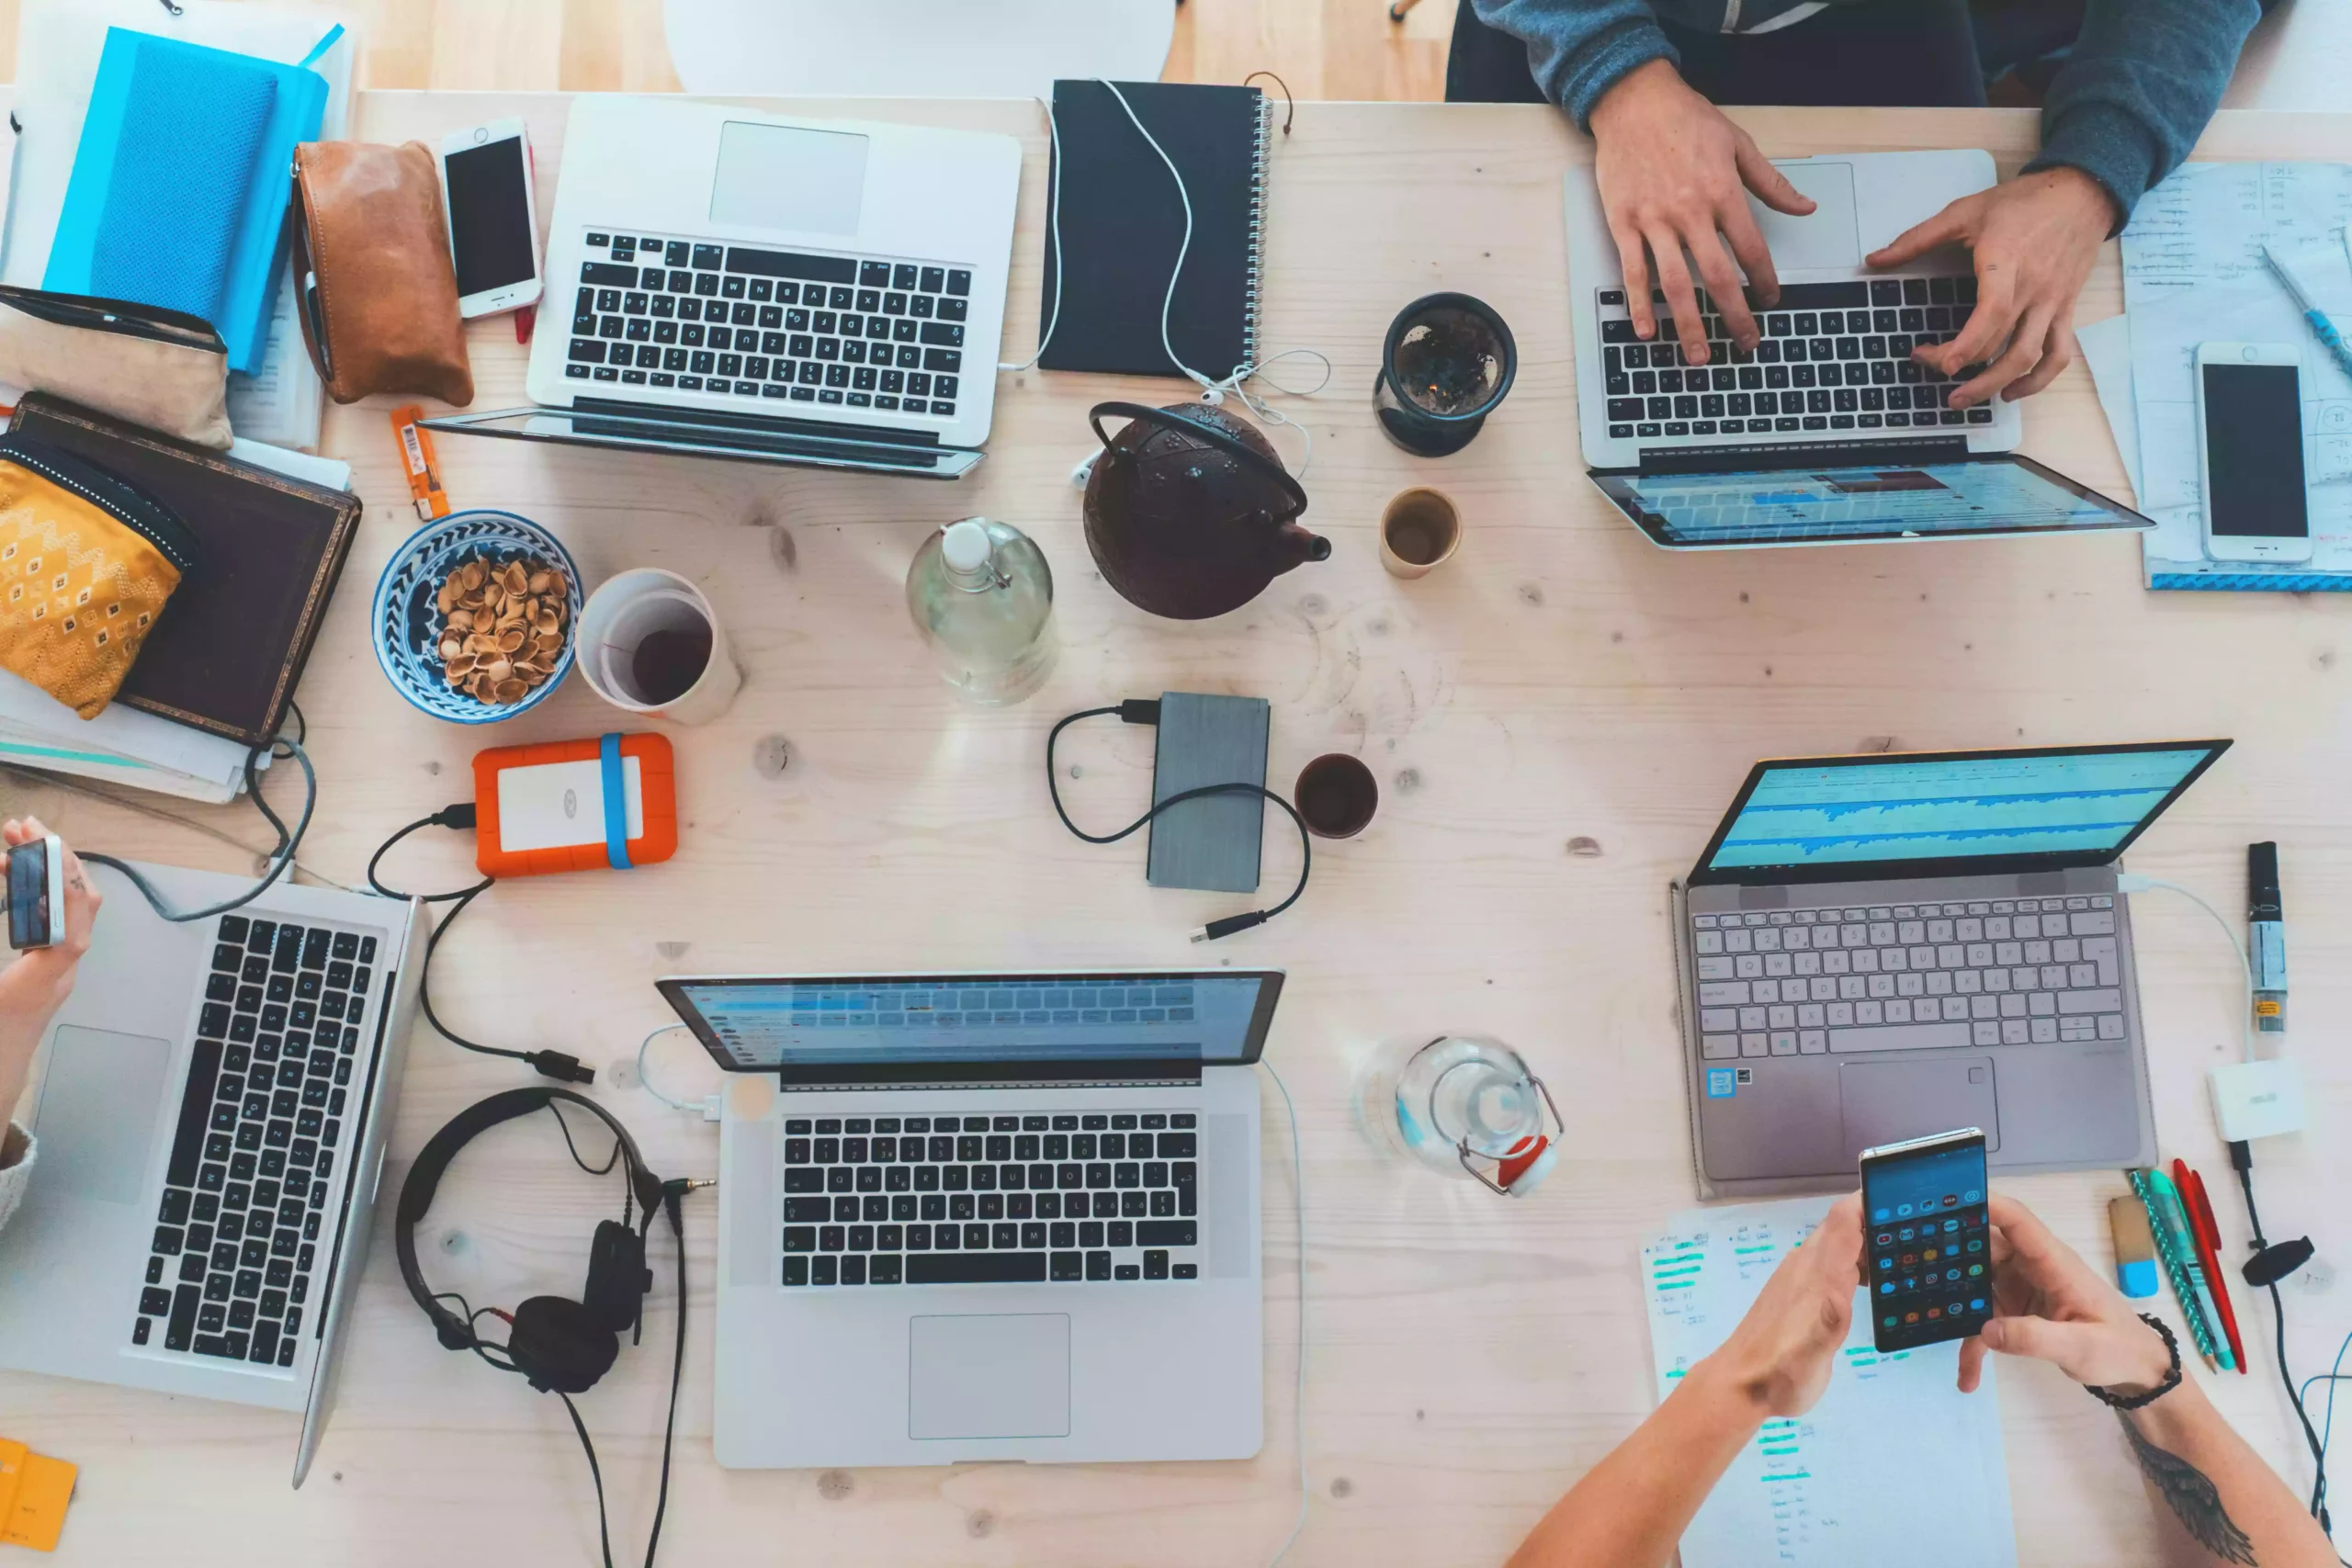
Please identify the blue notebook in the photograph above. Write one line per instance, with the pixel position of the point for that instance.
(180, 183)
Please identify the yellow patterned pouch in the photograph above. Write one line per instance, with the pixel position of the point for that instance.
(87, 564)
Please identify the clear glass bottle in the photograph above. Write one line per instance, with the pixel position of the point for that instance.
(982, 596)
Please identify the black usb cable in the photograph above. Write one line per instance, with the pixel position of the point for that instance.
(1146, 710)
(558, 1065)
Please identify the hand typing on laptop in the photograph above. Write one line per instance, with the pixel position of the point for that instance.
(2033, 239)
(1674, 176)
(2125, 87)
(2223, 1504)
(32, 987)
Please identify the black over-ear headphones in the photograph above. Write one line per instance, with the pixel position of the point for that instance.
(558, 1344)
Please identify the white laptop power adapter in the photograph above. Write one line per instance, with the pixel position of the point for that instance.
(2256, 1100)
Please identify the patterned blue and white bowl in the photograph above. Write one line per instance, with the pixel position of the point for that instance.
(407, 617)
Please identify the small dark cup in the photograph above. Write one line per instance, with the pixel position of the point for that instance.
(1448, 360)
(1337, 795)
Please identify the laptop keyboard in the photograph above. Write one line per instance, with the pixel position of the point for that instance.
(990, 1200)
(1834, 357)
(2003, 972)
(770, 326)
(260, 1126)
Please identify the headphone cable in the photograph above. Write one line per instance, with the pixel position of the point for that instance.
(670, 1192)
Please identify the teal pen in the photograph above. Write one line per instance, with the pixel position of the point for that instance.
(2174, 1215)
(2322, 328)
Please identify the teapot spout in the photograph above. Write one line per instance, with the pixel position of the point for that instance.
(1294, 545)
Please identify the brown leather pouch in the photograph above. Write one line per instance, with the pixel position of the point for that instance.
(371, 256)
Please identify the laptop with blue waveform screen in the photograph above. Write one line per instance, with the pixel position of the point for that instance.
(2030, 809)
(1989, 494)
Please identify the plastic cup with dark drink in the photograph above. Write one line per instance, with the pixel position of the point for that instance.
(650, 642)
(1449, 359)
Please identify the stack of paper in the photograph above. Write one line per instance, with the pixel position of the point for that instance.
(2193, 273)
(58, 46)
(1841, 1485)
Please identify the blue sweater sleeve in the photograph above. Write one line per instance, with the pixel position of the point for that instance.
(2144, 78)
(1578, 48)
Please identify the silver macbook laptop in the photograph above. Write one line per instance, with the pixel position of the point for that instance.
(1827, 432)
(735, 284)
(1874, 948)
(213, 1106)
(987, 1216)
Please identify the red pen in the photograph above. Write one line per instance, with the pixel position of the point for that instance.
(2208, 1236)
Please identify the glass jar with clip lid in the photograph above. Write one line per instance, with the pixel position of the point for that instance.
(1462, 1104)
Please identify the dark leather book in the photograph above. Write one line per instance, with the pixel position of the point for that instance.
(1121, 221)
(230, 647)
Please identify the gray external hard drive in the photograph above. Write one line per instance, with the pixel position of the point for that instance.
(1214, 843)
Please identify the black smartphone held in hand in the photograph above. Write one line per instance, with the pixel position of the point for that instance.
(1928, 1252)
(36, 893)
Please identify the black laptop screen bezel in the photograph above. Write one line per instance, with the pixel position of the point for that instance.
(1705, 875)
(988, 1070)
(1891, 454)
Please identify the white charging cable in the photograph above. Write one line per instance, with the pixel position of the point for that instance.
(706, 1108)
(2129, 882)
(1212, 391)
(1298, 1403)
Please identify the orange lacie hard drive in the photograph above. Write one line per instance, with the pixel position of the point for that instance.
(575, 805)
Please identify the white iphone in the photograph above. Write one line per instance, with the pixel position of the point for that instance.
(2250, 451)
(493, 222)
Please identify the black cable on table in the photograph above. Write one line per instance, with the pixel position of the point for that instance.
(556, 1064)
(1146, 711)
(280, 857)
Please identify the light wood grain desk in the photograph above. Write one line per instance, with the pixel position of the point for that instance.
(1561, 681)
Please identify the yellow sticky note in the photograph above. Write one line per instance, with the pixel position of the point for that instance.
(46, 1487)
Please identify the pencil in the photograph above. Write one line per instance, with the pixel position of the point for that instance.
(2174, 1238)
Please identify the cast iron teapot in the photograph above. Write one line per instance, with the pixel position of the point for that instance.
(1190, 512)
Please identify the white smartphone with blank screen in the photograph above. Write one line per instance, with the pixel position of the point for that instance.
(2250, 451)
(493, 219)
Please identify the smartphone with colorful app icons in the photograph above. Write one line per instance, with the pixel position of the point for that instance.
(1927, 1241)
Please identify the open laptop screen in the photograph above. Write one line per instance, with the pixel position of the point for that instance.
(1877, 815)
(930, 1028)
(1992, 494)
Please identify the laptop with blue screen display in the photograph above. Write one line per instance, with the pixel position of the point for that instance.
(1874, 948)
(1934, 489)
(987, 1216)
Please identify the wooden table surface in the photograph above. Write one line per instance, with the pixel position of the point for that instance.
(1556, 719)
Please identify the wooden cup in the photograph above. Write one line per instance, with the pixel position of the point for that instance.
(1420, 531)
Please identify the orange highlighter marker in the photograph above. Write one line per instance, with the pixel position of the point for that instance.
(2208, 1236)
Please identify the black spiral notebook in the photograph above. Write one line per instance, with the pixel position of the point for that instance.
(1122, 223)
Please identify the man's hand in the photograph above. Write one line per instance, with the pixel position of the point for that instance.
(1780, 1356)
(2050, 1305)
(2034, 239)
(1670, 169)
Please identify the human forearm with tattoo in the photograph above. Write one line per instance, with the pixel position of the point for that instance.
(2217, 1502)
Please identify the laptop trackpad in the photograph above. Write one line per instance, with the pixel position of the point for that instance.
(998, 1376)
(97, 1120)
(1885, 1102)
(1827, 237)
